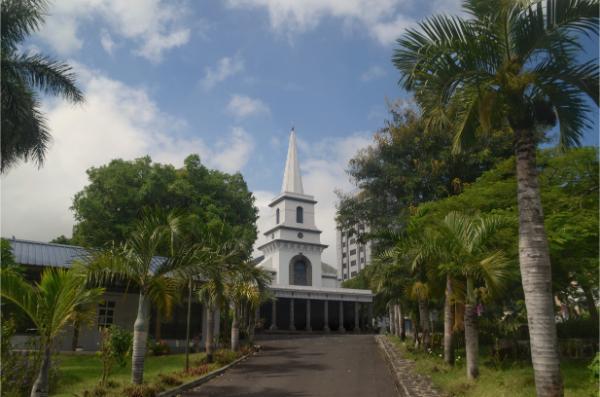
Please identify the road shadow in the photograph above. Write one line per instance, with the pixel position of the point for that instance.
(241, 391)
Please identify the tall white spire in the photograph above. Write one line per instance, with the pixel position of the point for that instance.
(292, 180)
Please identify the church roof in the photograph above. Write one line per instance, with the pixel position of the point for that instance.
(292, 180)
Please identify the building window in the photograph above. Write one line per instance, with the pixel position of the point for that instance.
(362, 260)
(343, 254)
(352, 240)
(361, 248)
(353, 274)
(300, 273)
(345, 276)
(353, 263)
(352, 252)
(277, 216)
(106, 310)
(299, 215)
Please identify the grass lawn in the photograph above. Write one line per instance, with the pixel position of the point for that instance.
(512, 379)
(80, 372)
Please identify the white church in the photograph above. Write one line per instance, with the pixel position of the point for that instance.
(307, 290)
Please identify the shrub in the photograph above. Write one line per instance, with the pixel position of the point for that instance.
(169, 379)
(19, 370)
(199, 370)
(158, 348)
(97, 391)
(224, 357)
(594, 366)
(115, 347)
(144, 390)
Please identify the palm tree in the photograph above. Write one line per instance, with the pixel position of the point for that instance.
(157, 278)
(25, 134)
(50, 304)
(485, 273)
(511, 65)
(244, 289)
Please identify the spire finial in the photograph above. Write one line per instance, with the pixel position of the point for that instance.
(292, 180)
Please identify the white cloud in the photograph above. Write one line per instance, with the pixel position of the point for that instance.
(225, 68)
(107, 42)
(154, 25)
(323, 164)
(243, 106)
(383, 19)
(116, 121)
(374, 72)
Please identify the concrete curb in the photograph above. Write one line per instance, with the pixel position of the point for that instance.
(203, 379)
(389, 359)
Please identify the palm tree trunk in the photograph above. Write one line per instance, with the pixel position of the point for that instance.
(591, 304)
(75, 340)
(536, 274)
(400, 322)
(392, 321)
(252, 317)
(471, 341)
(448, 324)
(41, 384)
(188, 319)
(235, 330)
(424, 322)
(140, 338)
(210, 328)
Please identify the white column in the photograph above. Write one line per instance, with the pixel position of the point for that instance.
(292, 322)
(326, 328)
(342, 329)
(273, 315)
(356, 317)
(308, 327)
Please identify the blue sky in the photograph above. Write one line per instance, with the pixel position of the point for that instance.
(225, 79)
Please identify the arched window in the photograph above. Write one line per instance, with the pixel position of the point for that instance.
(299, 215)
(300, 273)
(277, 216)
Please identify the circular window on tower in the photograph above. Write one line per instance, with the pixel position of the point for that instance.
(300, 235)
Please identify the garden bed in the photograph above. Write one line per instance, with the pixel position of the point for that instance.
(79, 374)
(497, 379)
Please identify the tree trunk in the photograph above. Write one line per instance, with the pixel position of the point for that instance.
(210, 329)
(424, 322)
(415, 331)
(471, 341)
(75, 340)
(252, 317)
(140, 339)
(448, 324)
(591, 304)
(187, 326)
(157, 326)
(41, 384)
(235, 330)
(536, 274)
(400, 322)
(392, 321)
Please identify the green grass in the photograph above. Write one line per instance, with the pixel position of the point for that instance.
(509, 379)
(81, 372)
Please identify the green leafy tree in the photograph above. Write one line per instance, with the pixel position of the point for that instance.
(25, 134)
(512, 64)
(50, 304)
(107, 209)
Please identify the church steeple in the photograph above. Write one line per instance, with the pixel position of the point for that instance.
(292, 180)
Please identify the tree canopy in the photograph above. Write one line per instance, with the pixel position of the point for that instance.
(107, 208)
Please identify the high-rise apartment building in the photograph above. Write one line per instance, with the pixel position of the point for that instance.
(352, 255)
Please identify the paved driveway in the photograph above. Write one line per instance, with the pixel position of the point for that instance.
(328, 366)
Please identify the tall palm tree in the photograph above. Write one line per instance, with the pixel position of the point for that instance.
(512, 65)
(244, 289)
(485, 272)
(50, 304)
(157, 278)
(25, 134)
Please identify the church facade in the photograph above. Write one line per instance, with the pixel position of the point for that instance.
(307, 290)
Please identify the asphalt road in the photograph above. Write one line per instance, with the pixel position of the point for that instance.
(328, 366)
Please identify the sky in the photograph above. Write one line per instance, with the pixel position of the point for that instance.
(224, 79)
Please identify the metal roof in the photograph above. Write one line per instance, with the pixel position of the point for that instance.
(36, 253)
